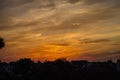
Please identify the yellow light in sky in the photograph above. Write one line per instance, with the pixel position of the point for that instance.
(54, 48)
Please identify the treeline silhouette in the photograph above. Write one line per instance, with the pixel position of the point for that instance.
(60, 69)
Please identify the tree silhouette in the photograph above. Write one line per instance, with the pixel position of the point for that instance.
(2, 43)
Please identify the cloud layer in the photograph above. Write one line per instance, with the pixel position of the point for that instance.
(50, 29)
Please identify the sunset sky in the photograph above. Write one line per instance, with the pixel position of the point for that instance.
(51, 29)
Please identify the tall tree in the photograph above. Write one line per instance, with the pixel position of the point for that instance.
(2, 43)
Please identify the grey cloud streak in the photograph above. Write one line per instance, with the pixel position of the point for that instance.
(97, 41)
(104, 56)
(91, 2)
(60, 44)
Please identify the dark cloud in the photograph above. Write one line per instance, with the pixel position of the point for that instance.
(96, 15)
(99, 13)
(65, 26)
(103, 56)
(102, 1)
(90, 41)
(110, 53)
(88, 1)
(10, 9)
(116, 44)
(91, 2)
(74, 1)
(60, 44)
(9, 4)
(94, 1)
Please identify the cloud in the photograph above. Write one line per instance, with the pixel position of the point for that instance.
(116, 44)
(96, 21)
(90, 41)
(103, 56)
(95, 1)
(60, 44)
(13, 3)
(27, 3)
(74, 1)
(17, 8)
(111, 53)
(92, 2)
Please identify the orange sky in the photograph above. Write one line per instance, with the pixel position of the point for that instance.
(51, 29)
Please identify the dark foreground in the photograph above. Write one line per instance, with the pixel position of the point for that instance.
(25, 69)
